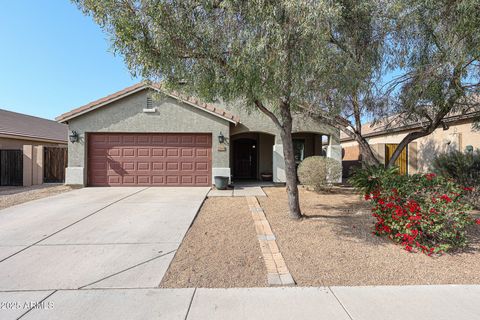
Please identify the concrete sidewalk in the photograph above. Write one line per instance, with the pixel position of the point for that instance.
(458, 302)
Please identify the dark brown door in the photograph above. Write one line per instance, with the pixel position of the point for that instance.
(11, 168)
(54, 164)
(245, 159)
(149, 159)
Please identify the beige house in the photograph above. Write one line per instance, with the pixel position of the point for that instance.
(145, 136)
(417, 157)
(30, 149)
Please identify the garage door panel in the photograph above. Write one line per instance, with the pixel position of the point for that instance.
(158, 166)
(143, 166)
(158, 152)
(201, 180)
(173, 180)
(143, 180)
(143, 152)
(158, 180)
(201, 166)
(128, 152)
(187, 166)
(149, 159)
(172, 166)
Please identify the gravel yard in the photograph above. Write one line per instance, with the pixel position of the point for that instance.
(336, 247)
(220, 250)
(10, 196)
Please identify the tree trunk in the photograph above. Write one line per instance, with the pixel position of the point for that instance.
(368, 157)
(403, 144)
(290, 170)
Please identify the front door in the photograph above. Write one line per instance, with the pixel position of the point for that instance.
(245, 159)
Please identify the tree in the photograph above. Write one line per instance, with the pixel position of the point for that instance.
(270, 54)
(357, 37)
(437, 47)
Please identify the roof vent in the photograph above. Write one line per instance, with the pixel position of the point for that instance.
(149, 108)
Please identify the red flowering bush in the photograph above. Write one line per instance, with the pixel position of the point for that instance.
(423, 213)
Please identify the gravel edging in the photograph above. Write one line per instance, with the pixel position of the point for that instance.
(11, 196)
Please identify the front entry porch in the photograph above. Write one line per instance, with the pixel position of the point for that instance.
(251, 156)
(258, 156)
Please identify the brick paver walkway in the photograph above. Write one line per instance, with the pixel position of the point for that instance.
(277, 271)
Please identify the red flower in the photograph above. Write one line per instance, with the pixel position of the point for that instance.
(467, 189)
(446, 198)
(413, 206)
(430, 176)
(367, 197)
(408, 248)
(477, 221)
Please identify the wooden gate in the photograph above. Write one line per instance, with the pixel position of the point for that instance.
(54, 163)
(11, 167)
(402, 160)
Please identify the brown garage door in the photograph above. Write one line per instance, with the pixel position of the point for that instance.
(152, 159)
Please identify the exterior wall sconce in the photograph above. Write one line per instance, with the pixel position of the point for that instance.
(469, 148)
(221, 138)
(73, 136)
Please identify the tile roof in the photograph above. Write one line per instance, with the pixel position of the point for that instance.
(142, 86)
(384, 127)
(25, 126)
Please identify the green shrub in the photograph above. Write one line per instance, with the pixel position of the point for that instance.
(371, 178)
(463, 168)
(319, 172)
(426, 213)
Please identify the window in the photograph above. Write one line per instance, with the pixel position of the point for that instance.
(299, 150)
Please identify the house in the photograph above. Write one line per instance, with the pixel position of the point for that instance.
(458, 134)
(143, 135)
(31, 149)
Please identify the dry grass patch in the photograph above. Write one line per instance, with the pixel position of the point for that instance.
(220, 250)
(337, 247)
(11, 196)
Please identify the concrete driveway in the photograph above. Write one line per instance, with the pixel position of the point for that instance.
(95, 238)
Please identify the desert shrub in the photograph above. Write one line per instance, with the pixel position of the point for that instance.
(422, 212)
(371, 178)
(319, 172)
(463, 168)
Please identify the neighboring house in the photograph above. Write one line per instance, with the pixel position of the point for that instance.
(144, 136)
(30, 149)
(417, 157)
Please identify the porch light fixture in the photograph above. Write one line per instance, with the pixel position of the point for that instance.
(73, 136)
(221, 138)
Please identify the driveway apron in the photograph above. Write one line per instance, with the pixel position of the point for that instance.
(95, 238)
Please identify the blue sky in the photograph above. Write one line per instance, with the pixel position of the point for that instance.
(53, 59)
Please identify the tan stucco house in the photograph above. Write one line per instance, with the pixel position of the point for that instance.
(27, 144)
(417, 157)
(143, 135)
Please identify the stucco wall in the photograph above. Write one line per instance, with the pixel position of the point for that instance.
(126, 115)
(457, 137)
(255, 120)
